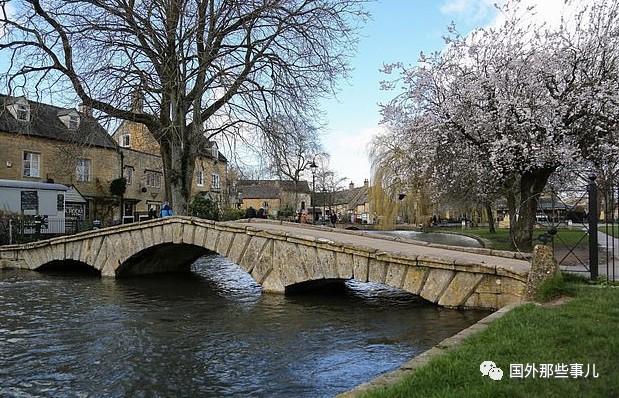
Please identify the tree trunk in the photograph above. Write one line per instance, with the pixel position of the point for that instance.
(178, 165)
(491, 224)
(531, 186)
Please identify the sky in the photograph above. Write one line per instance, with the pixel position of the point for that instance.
(398, 31)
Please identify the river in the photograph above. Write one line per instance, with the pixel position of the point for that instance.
(207, 333)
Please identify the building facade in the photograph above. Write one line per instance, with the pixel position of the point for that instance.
(143, 170)
(350, 205)
(274, 196)
(45, 143)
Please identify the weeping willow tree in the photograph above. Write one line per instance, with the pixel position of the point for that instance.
(402, 189)
(401, 203)
(384, 206)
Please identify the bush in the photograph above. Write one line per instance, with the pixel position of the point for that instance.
(203, 207)
(286, 212)
(4, 227)
(230, 214)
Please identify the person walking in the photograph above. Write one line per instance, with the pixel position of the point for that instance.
(333, 219)
(250, 213)
(166, 210)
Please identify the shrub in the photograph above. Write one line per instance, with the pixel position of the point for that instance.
(203, 207)
(230, 214)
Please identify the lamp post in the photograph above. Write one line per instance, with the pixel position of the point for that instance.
(313, 168)
(239, 199)
(324, 205)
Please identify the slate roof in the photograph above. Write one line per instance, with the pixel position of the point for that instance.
(269, 189)
(351, 197)
(32, 185)
(44, 123)
(205, 150)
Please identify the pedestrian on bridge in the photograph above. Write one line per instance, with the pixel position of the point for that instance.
(166, 210)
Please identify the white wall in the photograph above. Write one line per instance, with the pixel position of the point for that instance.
(47, 201)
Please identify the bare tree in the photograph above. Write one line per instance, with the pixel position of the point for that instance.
(290, 147)
(205, 67)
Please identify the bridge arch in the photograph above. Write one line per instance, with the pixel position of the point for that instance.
(281, 257)
(68, 266)
(163, 257)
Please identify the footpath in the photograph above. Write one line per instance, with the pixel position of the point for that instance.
(608, 259)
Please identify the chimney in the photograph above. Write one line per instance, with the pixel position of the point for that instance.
(351, 185)
(137, 100)
(85, 109)
(366, 183)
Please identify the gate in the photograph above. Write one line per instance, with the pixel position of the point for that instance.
(582, 224)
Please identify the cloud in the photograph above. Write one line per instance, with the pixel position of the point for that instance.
(484, 12)
(471, 11)
(349, 153)
(550, 13)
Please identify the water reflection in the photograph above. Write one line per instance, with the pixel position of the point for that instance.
(207, 333)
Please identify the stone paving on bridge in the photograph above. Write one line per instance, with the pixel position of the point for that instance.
(493, 258)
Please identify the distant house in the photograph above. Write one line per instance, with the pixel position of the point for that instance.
(350, 205)
(47, 143)
(274, 196)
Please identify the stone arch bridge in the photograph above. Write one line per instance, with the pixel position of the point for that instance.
(283, 256)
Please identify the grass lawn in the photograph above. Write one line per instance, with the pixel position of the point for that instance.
(583, 330)
(612, 230)
(500, 240)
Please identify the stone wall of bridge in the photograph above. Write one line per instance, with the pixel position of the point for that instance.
(278, 261)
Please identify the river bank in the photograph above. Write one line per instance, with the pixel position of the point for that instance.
(563, 350)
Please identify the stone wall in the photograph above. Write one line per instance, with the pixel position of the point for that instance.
(278, 261)
(58, 162)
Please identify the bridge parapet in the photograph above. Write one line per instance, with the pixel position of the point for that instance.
(282, 256)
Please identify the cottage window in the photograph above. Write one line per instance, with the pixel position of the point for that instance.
(215, 181)
(214, 151)
(22, 112)
(128, 174)
(200, 178)
(82, 169)
(125, 140)
(153, 179)
(31, 164)
(74, 122)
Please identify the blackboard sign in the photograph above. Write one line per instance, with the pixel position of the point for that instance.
(60, 202)
(29, 200)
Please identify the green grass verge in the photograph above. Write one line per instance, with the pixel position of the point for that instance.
(500, 240)
(612, 230)
(581, 331)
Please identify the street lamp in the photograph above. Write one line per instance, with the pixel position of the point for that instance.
(239, 199)
(313, 168)
(324, 208)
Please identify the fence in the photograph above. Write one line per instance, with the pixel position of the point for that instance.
(30, 228)
(585, 236)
